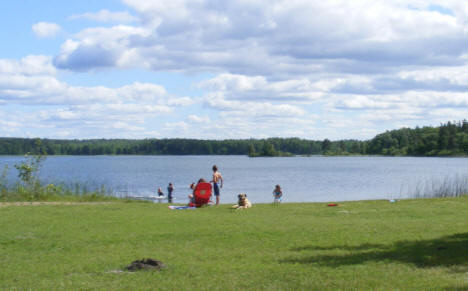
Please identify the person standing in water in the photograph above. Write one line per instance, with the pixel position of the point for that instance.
(217, 179)
(170, 189)
(277, 193)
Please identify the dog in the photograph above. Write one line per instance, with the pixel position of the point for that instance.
(242, 202)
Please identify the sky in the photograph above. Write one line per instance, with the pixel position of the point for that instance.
(312, 69)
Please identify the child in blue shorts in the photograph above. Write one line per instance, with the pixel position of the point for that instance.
(277, 193)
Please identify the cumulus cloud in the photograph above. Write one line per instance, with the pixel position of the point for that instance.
(9, 126)
(47, 90)
(33, 97)
(243, 126)
(262, 38)
(243, 87)
(29, 65)
(46, 29)
(98, 47)
(106, 16)
(374, 60)
(198, 119)
(307, 68)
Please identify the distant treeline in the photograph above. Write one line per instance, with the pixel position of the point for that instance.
(448, 139)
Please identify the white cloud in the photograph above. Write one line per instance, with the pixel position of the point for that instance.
(364, 102)
(180, 128)
(454, 75)
(9, 126)
(100, 47)
(29, 65)
(245, 126)
(378, 60)
(106, 16)
(198, 119)
(409, 99)
(127, 127)
(46, 29)
(277, 68)
(440, 114)
(252, 109)
(37, 100)
(240, 87)
(274, 37)
(181, 101)
(234, 82)
(33, 80)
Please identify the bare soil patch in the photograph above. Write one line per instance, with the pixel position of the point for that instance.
(145, 264)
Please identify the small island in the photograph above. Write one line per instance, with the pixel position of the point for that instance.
(268, 150)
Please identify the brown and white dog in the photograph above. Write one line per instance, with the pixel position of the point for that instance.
(242, 202)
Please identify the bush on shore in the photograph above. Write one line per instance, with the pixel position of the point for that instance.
(30, 188)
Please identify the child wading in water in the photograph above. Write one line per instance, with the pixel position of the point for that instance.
(277, 193)
(170, 189)
(160, 192)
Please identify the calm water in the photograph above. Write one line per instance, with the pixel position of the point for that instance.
(303, 179)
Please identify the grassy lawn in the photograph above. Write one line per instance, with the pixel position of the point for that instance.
(407, 245)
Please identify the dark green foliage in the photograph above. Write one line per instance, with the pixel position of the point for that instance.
(448, 139)
(267, 150)
(326, 145)
(28, 172)
(252, 151)
(18, 146)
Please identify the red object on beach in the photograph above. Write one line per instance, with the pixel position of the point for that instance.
(202, 194)
(332, 204)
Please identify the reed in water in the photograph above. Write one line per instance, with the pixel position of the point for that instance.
(449, 186)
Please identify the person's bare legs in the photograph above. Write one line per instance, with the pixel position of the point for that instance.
(217, 200)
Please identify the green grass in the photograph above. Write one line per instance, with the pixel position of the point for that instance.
(43, 193)
(366, 245)
(87, 197)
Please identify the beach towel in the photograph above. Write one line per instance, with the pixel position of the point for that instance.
(177, 207)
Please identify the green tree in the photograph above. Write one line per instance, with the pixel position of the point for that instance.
(268, 150)
(252, 151)
(326, 145)
(29, 168)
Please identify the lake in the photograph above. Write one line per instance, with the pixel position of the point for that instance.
(303, 179)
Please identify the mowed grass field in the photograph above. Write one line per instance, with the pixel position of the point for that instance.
(365, 245)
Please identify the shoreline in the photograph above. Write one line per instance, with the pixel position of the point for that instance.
(340, 203)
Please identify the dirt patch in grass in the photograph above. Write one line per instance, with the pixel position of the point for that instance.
(145, 264)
